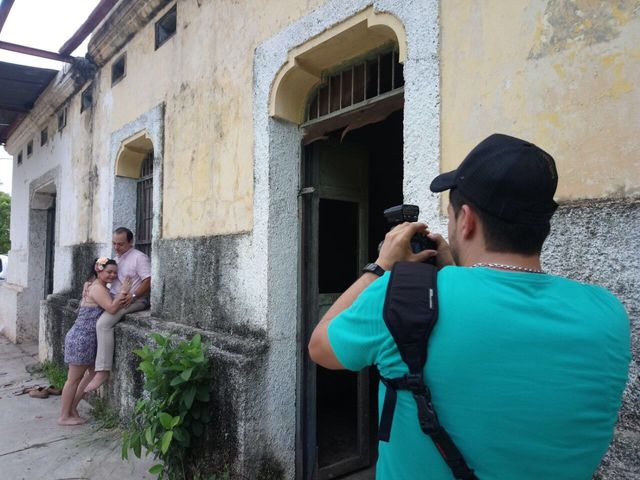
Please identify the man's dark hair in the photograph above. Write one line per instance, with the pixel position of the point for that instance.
(501, 236)
(129, 233)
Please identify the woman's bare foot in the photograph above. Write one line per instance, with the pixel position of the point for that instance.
(98, 379)
(70, 421)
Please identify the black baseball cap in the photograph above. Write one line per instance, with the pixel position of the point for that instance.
(509, 178)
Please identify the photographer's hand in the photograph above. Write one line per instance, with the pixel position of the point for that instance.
(397, 245)
(444, 256)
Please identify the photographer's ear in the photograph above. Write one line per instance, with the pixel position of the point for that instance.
(467, 222)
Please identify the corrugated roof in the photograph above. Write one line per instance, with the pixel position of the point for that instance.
(20, 86)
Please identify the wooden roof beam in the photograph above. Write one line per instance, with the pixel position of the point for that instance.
(5, 7)
(92, 21)
(35, 52)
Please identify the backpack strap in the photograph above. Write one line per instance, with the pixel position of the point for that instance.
(410, 313)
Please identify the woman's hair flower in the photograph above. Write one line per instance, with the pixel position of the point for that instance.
(101, 262)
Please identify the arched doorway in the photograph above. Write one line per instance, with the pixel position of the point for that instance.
(345, 90)
(305, 53)
(352, 169)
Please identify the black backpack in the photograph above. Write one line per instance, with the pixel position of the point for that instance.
(410, 313)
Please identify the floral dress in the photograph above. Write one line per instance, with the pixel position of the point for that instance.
(80, 344)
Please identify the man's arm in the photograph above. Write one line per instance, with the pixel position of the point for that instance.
(143, 289)
(396, 247)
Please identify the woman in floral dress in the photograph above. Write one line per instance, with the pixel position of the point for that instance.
(80, 342)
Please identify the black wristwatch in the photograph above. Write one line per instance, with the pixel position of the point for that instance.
(373, 268)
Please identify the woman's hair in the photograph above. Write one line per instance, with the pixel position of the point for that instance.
(92, 271)
(100, 264)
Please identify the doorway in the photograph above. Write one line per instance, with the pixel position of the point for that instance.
(348, 179)
(50, 248)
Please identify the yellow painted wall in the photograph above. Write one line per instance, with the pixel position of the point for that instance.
(562, 74)
(205, 76)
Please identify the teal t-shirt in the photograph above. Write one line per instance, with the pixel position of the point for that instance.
(526, 372)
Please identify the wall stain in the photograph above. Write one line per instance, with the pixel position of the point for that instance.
(566, 23)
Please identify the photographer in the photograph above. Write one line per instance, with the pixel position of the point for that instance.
(526, 369)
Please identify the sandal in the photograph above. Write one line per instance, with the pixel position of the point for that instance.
(25, 390)
(40, 392)
(53, 390)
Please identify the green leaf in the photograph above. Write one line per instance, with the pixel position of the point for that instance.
(186, 375)
(140, 405)
(195, 341)
(156, 469)
(125, 446)
(166, 442)
(148, 436)
(165, 420)
(159, 339)
(188, 396)
(177, 380)
(141, 353)
(135, 444)
(175, 421)
(203, 394)
(199, 358)
(181, 435)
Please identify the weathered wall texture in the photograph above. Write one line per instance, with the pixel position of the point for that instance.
(560, 73)
(205, 80)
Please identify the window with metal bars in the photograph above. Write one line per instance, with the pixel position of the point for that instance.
(356, 84)
(144, 206)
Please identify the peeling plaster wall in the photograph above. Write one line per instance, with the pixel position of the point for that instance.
(560, 73)
(203, 74)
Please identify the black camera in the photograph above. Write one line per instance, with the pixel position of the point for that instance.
(409, 213)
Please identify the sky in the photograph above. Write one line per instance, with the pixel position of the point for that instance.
(44, 24)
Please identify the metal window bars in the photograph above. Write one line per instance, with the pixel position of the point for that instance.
(144, 206)
(361, 81)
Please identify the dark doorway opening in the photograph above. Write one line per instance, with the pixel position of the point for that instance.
(351, 179)
(50, 246)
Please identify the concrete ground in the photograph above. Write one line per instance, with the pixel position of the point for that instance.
(33, 446)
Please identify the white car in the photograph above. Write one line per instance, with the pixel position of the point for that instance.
(4, 263)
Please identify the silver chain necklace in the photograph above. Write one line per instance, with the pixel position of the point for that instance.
(507, 267)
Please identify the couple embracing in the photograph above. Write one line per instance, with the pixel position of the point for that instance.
(115, 287)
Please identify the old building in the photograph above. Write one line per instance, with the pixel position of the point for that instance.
(252, 146)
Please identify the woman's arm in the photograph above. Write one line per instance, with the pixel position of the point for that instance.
(100, 295)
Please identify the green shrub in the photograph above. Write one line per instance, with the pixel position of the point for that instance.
(56, 374)
(174, 409)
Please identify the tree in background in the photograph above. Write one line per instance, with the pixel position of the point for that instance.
(5, 214)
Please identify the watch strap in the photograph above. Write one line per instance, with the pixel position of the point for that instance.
(373, 268)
